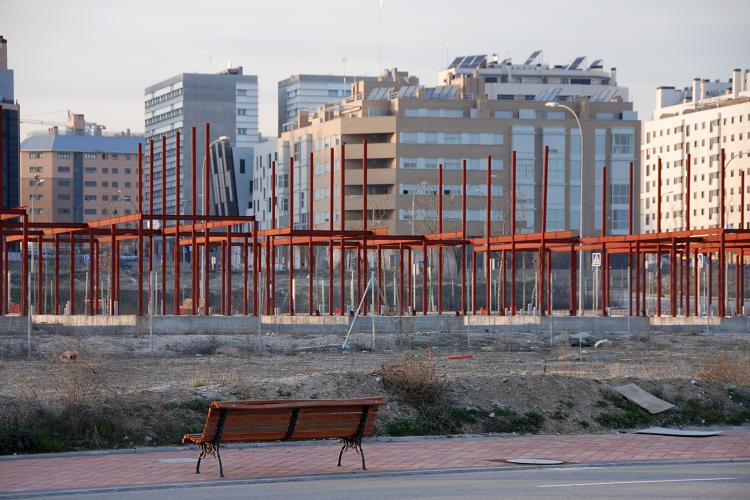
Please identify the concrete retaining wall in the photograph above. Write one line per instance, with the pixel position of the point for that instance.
(238, 325)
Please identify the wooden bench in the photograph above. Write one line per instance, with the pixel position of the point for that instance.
(348, 420)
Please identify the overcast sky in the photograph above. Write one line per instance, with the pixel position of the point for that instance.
(96, 57)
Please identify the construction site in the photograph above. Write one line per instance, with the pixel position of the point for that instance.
(165, 312)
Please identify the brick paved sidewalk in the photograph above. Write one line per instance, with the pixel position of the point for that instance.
(168, 467)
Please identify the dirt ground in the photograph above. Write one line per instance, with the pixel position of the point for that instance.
(157, 389)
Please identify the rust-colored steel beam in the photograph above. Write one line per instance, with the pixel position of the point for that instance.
(540, 276)
(440, 248)
(487, 235)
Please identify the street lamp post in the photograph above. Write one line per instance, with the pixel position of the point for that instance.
(38, 181)
(554, 104)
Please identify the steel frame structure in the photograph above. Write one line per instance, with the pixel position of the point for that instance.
(258, 249)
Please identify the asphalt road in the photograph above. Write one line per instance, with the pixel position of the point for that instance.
(683, 481)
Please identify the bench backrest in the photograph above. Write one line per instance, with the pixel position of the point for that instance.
(275, 420)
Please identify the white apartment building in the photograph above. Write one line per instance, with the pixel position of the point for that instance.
(533, 80)
(699, 120)
(265, 153)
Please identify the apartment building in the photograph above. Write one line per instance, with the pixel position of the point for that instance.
(9, 133)
(86, 173)
(229, 102)
(306, 92)
(411, 129)
(699, 120)
(265, 153)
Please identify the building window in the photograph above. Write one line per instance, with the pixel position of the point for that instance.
(90, 211)
(89, 184)
(241, 131)
(242, 165)
(63, 183)
(36, 156)
(623, 142)
(90, 170)
(241, 92)
(89, 197)
(63, 197)
(36, 170)
(89, 156)
(63, 170)
(127, 171)
(115, 171)
(241, 112)
(63, 156)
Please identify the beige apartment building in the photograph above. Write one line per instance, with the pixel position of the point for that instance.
(411, 129)
(86, 174)
(699, 120)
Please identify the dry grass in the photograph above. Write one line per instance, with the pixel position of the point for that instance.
(415, 379)
(729, 370)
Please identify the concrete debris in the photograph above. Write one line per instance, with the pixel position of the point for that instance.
(644, 399)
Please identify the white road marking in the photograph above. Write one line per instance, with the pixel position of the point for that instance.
(638, 482)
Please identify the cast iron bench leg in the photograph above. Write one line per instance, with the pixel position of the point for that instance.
(221, 468)
(362, 453)
(343, 447)
(198, 465)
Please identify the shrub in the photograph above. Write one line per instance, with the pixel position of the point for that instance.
(415, 380)
(723, 368)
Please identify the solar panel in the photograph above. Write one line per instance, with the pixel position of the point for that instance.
(576, 62)
(533, 56)
(456, 62)
(599, 63)
(505, 61)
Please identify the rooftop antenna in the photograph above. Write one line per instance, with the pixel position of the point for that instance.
(380, 44)
(344, 60)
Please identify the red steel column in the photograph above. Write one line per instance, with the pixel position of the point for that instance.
(342, 251)
(605, 257)
(92, 292)
(256, 266)
(688, 195)
(72, 265)
(540, 278)
(177, 250)
(410, 291)
(291, 235)
(673, 279)
(487, 231)
(112, 269)
(139, 300)
(513, 234)
(742, 251)
(630, 233)
(245, 277)
(695, 284)
(400, 279)
(638, 278)
(474, 283)
(463, 237)
(503, 281)
(710, 279)
(365, 271)
(195, 288)
(25, 266)
(97, 291)
(310, 256)
(572, 285)
(424, 277)
(163, 309)
(39, 277)
(440, 247)
(721, 295)
(150, 221)
(658, 280)
(206, 212)
(228, 310)
(378, 300)
(331, 182)
(56, 299)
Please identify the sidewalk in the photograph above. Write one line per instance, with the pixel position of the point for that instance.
(145, 467)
